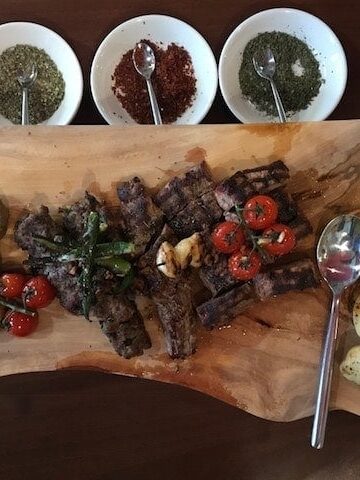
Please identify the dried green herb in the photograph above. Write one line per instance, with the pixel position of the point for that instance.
(47, 92)
(297, 75)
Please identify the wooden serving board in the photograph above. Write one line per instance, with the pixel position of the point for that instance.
(266, 361)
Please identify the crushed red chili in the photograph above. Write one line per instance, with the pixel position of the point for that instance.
(173, 81)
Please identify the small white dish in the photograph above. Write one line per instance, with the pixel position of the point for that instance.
(60, 52)
(157, 28)
(315, 33)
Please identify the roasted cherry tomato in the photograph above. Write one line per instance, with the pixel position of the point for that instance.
(12, 284)
(245, 264)
(19, 324)
(228, 237)
(38, 292)
(260, 212)
(281, 239)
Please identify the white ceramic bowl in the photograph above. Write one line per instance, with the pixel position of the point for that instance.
(316, 34)
(60, 52)
(158, 28)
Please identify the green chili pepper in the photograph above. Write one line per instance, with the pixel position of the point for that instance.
(116, 265)
(90, 238)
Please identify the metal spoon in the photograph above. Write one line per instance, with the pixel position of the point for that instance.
(338, 257)
(144, 62)
(265, 66)
(26, 78)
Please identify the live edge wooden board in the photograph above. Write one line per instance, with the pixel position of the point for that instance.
(266, 361)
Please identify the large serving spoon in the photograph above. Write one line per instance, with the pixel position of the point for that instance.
(144, 62)
(338, 257)
(26, 78)
(265, 66)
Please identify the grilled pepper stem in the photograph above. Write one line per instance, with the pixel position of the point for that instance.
(90, 238)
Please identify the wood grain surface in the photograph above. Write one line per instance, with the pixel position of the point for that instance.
(91, 426)
(266, 362)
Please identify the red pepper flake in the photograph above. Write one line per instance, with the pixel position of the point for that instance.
(173, 81)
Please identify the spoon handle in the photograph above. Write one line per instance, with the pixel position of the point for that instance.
(25, 107)
(278, 102)
(325, 375)
(154, 104)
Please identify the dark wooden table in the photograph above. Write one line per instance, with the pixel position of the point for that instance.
(84, 425)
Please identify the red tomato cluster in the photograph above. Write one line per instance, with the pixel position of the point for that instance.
(259, 214)
(35, 293)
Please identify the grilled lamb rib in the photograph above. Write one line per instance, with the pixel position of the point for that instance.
(143, 219)
(223, 309)
(267, 177)
(183, 189)
(173, 300)
(197, 216)
(235, 190)
(214, 273)
(297, 275)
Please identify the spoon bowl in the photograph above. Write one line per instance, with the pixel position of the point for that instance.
(338, 257)
(265, 66)
(144, 62)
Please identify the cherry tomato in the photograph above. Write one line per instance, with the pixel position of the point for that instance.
(20, 325)
(12, 284)
(281, 239)
(228, 237)
(38, 292)
(260, 212)
(245, 264)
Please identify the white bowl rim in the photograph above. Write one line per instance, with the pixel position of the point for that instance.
(330, 110)
(151, 16)
(71, 116)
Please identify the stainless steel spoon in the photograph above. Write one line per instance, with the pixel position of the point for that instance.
(26, 78)
(265, 66)
(144, 62)
(338, 257)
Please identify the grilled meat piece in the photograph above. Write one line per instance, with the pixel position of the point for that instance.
(267, 177)
(288, 209)
(183, 189)
(66, 279)
(297, 275)
(214, 273)
(197, 216)
(177, 316)
(301, 226)
(172, 298)
(235, 190)
(154, 280)
(36, 224)
(75, 216)
(122, 324)
(222, 310)
(143, 219)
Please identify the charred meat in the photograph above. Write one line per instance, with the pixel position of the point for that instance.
(301, 226)
(288, 209)
(183, 189)
(122, 324)
(197, 216)
(214, 273)
(223, 309)
(177, 316)
(143, 219)
(235, 190)
(172, 298)
(75, 217)
(267, 177)
(39, 224)
(297, 275)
